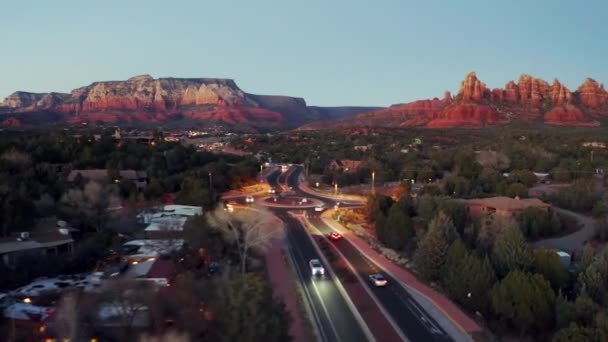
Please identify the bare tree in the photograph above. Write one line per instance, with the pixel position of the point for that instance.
(249, 230)
(493, 159)
(125, 302)
(89, 205)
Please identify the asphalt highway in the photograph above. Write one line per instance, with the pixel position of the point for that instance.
(330, 309)
(397, 302)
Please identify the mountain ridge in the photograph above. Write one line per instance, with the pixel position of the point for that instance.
(477, 106)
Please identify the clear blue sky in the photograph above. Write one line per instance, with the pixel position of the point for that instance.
(331, 52)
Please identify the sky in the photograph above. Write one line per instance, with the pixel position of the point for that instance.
(330, 52)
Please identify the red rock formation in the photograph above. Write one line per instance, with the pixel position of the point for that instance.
(472, 88)
(511, 92)
(532, 90)
(591, 94)
(143, 98)
(560, 94)
(568, 115)
(465, 115)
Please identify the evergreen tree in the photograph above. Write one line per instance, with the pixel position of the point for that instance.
(550, 266)
(564, 311)
(443, 223)
(524, 302)
(399, 229)
(377, 204)
(592, 281)
(575, 333)
(511, 252)
(469, 281)
(431, 254)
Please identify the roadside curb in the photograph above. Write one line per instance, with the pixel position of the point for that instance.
(415, 291)
(351, 305)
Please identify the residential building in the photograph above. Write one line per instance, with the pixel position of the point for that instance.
(34, 243)
(502, 206)
(172, 210)
(140, 250)
(345, 165)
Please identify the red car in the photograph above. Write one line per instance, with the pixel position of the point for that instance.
(335, 236)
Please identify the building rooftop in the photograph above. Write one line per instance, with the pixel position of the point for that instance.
(508, 203)
(167, 223)
(154, 248)
(36, 240)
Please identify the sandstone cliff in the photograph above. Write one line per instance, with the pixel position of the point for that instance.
(143, 98)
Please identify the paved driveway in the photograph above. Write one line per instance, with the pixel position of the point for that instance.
(575, 241)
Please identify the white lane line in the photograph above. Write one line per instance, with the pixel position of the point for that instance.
(311, 308)
(347, 299)
(402, 284)
(365, 285)
(331, 323)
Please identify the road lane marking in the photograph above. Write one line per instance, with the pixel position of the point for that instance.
(320, 332)
(366, 287)
(347, 299)
(402, 284)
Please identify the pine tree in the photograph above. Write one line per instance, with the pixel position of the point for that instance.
(511, 252)
(431, 254)
(550, 266)
(469, 281)
(399, 229)
(524, 301)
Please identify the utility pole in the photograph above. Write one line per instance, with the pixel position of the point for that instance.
(210, 180)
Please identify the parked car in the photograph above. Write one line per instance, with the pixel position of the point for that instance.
(378, 280)
(316, 267)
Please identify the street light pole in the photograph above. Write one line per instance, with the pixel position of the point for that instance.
(373, 182)
(210, 180)
(336, 188)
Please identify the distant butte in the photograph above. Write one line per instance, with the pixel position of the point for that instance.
(145, 99)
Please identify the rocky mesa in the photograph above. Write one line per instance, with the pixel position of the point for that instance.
(476, 106)
(145, 99)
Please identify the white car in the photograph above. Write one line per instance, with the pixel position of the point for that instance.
(319, 208)
(272, 191)
(316, 267)
(249, 199)
(378, 280)
(304, 200)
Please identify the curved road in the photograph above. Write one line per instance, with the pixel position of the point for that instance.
(331, 310)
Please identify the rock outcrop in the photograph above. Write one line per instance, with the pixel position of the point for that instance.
(591, 94)
(472, 88)
(465, 115)
(476, 106)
